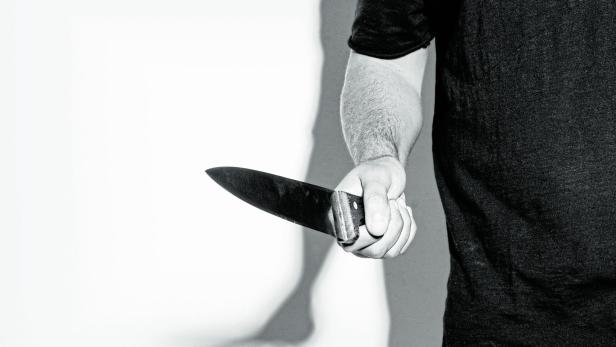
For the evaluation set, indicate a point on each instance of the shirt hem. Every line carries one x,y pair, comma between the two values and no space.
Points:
389,55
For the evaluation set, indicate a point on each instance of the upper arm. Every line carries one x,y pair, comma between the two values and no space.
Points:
392,35
409,67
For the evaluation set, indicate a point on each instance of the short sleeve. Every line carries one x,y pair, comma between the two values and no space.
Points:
390,29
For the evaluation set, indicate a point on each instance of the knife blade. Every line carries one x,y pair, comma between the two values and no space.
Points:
299,202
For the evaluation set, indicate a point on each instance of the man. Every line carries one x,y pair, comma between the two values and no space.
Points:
524,144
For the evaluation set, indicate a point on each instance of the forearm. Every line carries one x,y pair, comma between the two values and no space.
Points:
381,106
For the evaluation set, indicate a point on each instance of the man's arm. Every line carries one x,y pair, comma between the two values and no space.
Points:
381,117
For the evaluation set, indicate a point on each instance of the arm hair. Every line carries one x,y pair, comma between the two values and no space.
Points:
380,105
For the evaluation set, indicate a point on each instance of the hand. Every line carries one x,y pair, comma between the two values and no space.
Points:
390,227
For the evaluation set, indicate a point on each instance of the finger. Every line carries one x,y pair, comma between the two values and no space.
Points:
379,248
404,234
376,207
364,240
412,232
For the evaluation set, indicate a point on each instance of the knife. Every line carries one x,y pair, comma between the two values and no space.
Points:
299,202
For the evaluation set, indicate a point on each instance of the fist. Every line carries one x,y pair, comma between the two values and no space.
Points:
390,227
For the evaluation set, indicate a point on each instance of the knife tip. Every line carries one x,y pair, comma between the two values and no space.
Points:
221,172
210,171
215,172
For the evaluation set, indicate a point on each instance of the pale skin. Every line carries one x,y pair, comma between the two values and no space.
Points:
381,120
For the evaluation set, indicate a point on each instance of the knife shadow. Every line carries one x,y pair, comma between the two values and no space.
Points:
415,282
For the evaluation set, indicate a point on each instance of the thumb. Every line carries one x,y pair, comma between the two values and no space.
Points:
376,207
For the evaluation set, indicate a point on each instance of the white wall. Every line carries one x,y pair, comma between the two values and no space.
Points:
113,235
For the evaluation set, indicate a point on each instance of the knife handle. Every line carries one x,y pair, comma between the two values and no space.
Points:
348,211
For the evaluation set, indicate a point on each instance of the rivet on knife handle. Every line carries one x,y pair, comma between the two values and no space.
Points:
348,211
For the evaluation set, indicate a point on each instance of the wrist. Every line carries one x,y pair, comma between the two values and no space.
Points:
390,164
379,157
388,160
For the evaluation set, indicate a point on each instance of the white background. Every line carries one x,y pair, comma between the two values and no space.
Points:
114,235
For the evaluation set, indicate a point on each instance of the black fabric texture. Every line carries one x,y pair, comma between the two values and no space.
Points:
524,148
389,29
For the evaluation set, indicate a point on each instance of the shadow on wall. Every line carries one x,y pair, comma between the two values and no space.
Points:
416,282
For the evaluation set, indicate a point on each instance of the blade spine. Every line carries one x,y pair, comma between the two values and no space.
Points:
324,189
253,202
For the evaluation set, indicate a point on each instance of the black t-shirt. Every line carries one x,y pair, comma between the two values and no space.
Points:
524,146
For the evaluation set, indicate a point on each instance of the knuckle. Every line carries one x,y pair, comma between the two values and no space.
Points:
396,224
373,253
392,246
359,255
369,253
364,254
380,252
